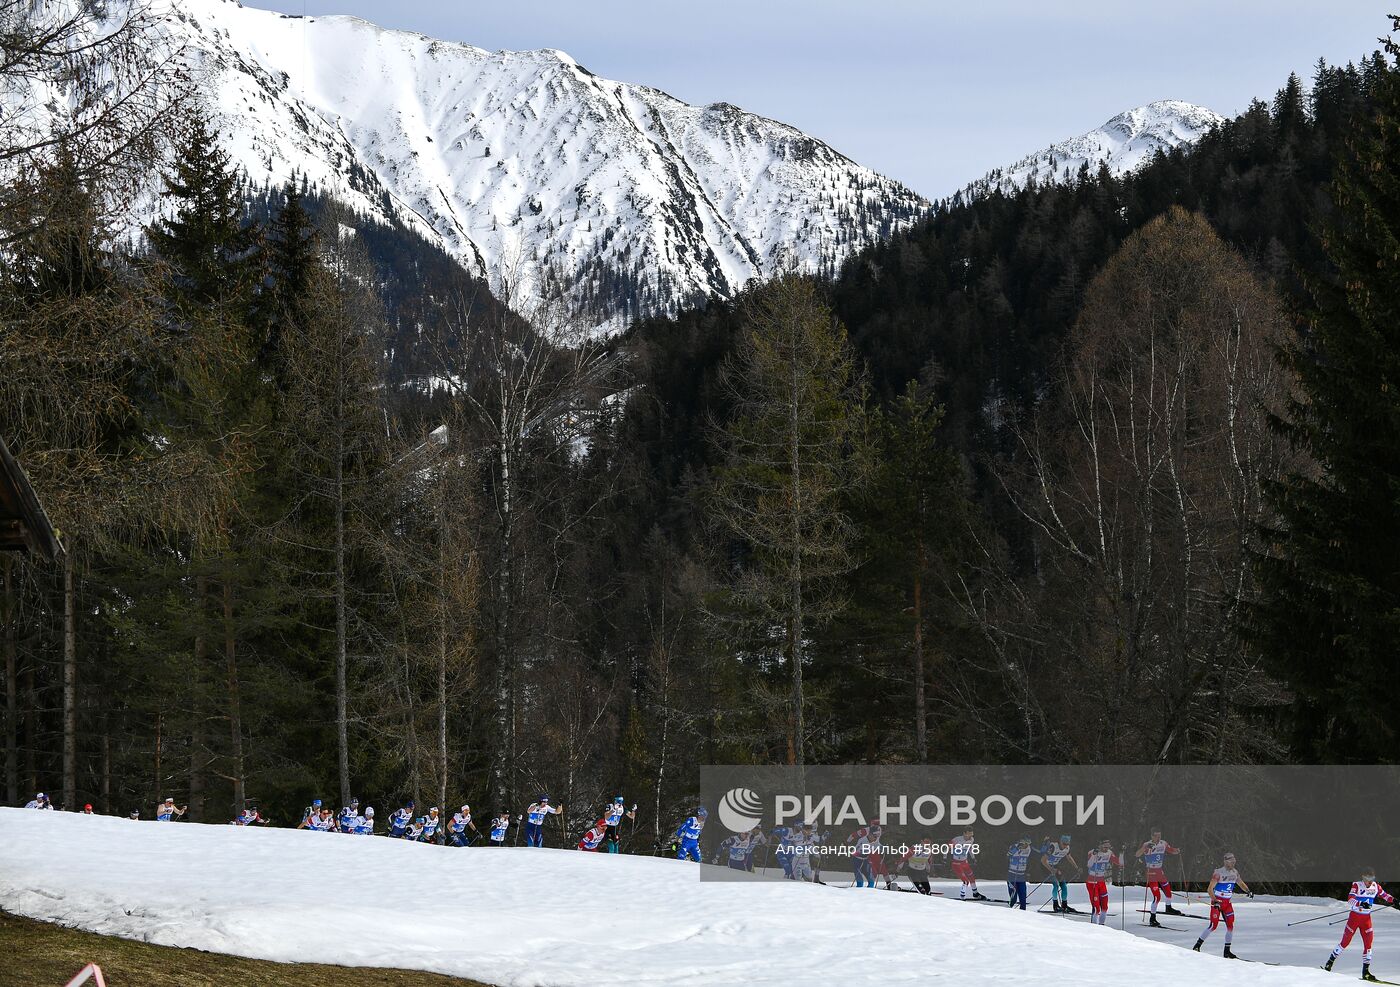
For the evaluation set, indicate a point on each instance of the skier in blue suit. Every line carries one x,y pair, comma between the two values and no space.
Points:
688,835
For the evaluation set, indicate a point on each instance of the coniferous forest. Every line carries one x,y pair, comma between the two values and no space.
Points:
1098,472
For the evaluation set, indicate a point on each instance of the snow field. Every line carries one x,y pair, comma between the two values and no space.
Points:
529,918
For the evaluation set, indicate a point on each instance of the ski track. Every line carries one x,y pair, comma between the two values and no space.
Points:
552,918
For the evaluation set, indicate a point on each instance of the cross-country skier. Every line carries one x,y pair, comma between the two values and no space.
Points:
782,837
878,870
1362,897
688,835
963,852
345,823
735,851
804,843
39,801
430,826
364,826
499,825
756,840
1223,881
1153,855
814,857
1057,860
313,812
250,817
457,826
614,813
324,821
1098,868
594,837
1018,858
400,819
865,845
167,812
918,860
535,815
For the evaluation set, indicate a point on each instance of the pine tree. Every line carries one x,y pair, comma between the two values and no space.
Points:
216,400
915,514
206,242
1329,613
788,469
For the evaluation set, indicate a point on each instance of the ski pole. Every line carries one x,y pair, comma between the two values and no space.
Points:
1122,891
1317,918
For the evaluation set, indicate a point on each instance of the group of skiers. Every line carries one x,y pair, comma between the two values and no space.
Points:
404,824
795,849
798,850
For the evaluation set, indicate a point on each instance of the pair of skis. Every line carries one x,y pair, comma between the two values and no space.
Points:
1171,928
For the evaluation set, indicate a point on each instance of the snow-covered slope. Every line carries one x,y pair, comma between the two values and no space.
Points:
518,160
561,918
1123,144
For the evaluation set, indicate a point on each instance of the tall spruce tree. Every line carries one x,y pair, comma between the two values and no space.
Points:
788,470
1329,613
915,516
215,399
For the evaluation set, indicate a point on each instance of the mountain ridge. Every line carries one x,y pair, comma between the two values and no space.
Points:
529,162
1123,142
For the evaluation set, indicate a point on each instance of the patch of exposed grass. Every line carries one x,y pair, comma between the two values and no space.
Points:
37,954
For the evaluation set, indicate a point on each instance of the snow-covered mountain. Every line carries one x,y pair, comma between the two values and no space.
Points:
521,162
1123,144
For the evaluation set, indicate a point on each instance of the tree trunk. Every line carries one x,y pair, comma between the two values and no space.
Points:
442,644
31,728
342,714
198,760
11,649
105,791
505,652
70,685
235,707
920,701
799,726
159,779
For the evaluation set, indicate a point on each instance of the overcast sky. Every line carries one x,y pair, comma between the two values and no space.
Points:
930,92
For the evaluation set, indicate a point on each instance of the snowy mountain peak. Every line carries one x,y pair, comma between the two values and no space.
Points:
528,163
1123,143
